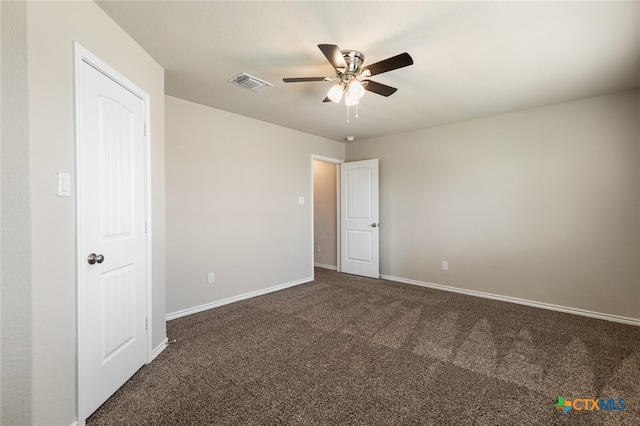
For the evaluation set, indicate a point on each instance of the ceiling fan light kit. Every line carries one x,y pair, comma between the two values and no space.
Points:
335,93
348,67
354,91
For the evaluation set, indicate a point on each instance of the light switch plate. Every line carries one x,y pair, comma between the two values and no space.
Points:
301,200
64,184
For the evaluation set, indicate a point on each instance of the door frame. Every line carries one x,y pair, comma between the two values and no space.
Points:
81,55
337,162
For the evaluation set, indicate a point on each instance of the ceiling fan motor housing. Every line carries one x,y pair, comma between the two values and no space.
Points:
354,60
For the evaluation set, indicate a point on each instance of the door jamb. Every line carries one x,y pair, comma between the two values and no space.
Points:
337,162
81,55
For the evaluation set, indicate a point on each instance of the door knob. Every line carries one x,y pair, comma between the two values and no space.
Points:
95,258
374,225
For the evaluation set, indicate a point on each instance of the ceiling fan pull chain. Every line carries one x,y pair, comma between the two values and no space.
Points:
357,109
348,114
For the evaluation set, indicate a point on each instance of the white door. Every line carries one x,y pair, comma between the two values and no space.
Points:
112,240
359,218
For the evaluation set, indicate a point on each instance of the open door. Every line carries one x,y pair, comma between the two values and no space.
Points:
359,233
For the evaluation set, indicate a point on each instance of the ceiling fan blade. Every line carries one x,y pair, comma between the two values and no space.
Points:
379,88
334,55
303,79
390,64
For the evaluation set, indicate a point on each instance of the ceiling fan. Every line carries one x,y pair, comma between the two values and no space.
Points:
350,71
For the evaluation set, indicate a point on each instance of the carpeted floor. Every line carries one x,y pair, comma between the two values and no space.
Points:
351,350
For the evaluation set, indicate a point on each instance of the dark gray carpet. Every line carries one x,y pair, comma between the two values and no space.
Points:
351,350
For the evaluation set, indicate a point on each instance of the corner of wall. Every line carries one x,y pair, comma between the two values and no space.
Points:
15,213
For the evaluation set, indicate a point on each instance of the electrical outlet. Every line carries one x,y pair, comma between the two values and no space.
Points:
211,278
445,265
317,249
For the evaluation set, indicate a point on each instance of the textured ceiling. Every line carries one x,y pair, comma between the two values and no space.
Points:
471,59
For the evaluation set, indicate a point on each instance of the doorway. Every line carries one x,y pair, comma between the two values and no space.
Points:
326,212
325,218
345,216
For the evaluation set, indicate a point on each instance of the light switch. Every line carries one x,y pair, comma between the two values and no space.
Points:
64,184
301,200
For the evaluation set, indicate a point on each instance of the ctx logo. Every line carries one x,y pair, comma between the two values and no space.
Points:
589,404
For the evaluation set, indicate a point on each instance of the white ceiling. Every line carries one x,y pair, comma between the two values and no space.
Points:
471,59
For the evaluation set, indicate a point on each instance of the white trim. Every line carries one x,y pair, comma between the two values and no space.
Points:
149,227
218,303
338,220
74,423
322,265
77,60
326,159
509,299
83,55
158,349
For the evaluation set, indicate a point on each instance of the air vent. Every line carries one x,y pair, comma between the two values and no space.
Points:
250,82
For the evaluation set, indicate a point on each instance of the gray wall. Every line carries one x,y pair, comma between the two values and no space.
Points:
15,332
324,213
38,228
542,205
232,203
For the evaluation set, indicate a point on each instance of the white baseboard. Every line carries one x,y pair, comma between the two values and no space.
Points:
218,303
542,305
158,349
322,265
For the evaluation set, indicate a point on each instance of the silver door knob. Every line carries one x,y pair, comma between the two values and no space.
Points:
95,258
